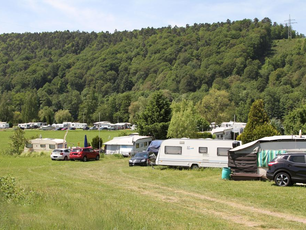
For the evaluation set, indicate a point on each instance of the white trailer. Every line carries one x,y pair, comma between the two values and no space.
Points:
127,145
4,125
78,125
195,153
24,125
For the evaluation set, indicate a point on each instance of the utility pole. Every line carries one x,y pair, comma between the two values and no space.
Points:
289,22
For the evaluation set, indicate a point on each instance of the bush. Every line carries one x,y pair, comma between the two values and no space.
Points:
204,135
97,142
8,189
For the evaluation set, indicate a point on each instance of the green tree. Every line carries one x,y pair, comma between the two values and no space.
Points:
88,107
18,141
295,121
97,142
136,108
30,107
46,115
216,106
184,120
6,108
62,116
258,124
155,118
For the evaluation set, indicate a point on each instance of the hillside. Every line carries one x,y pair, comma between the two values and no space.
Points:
100,75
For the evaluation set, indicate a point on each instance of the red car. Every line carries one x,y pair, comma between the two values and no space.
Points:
84,154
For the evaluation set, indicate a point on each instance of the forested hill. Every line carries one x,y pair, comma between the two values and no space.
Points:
226,65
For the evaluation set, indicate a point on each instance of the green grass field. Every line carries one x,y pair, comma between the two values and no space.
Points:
74,137
108,194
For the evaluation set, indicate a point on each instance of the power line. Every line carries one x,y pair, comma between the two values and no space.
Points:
289,22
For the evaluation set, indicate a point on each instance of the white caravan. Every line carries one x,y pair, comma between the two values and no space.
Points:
127,145
4,125
195,153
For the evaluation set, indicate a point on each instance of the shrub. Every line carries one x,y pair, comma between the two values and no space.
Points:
204,135
97,142
8,189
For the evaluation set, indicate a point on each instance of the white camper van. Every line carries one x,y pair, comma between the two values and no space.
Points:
195,153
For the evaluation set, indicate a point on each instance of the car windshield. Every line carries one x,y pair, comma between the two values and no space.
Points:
76,150
141,155
56,150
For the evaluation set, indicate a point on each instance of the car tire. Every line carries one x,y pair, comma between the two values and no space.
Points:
282,179
85,158
97,157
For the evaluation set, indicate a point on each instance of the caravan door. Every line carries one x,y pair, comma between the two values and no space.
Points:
214,155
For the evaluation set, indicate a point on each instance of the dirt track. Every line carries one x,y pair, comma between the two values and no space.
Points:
232,211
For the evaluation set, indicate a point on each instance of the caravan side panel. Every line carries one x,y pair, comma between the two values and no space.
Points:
194,152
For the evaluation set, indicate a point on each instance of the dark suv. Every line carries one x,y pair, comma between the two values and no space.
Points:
287,169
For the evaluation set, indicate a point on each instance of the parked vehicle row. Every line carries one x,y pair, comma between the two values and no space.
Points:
80,153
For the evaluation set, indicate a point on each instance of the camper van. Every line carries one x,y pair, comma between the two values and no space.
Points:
195,153
24,125
127,145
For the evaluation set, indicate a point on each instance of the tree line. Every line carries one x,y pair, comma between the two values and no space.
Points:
214,71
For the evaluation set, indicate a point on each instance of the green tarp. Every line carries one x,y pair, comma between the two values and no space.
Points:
265,156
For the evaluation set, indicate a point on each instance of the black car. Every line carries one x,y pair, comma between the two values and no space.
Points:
141,158
287,169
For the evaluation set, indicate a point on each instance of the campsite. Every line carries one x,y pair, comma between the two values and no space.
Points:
109,194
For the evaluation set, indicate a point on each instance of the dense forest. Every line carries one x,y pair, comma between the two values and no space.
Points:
222,68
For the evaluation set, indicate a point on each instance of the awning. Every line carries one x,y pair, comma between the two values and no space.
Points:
265,156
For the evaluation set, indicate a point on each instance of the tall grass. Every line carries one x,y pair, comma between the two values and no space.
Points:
108,194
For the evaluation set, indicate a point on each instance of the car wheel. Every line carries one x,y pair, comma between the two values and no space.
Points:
84,158
97,157
282,179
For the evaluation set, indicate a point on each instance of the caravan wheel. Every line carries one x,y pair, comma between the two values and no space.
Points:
194,166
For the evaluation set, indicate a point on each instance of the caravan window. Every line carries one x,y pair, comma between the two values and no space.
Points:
222,151
203,150
43,146
51,146
137,145
177,150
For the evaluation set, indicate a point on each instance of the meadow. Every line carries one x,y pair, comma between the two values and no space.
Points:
74,137
108,194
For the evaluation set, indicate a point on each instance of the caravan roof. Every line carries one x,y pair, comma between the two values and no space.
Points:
125,140
270,139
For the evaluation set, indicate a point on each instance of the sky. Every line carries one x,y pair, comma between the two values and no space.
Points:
20,16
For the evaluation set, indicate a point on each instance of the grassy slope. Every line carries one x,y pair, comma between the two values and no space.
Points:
107,194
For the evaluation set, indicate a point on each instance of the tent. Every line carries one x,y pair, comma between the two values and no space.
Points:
154,146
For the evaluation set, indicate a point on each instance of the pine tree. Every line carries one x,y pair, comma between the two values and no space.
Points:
154,120
258,124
